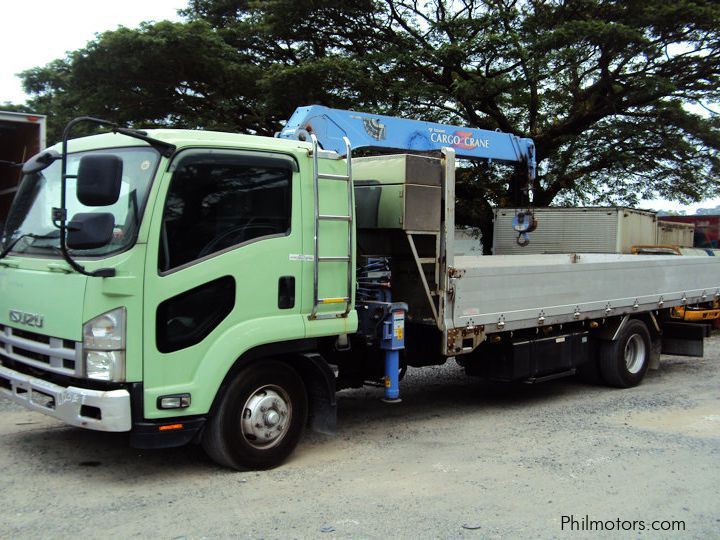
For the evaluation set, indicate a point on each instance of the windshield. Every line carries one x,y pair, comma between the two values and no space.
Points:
30,225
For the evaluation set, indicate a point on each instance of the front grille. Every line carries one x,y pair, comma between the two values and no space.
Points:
32,336
48,353
30,354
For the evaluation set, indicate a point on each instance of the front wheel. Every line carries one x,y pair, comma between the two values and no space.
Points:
624,362
260,418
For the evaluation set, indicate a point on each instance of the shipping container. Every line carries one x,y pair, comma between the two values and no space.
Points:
576,230
671,233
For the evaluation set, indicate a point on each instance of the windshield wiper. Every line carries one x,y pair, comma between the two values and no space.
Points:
8,249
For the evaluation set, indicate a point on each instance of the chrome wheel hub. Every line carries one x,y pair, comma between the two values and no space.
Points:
635,353
266,417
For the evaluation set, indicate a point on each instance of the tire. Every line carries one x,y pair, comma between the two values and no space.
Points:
260,419
624,362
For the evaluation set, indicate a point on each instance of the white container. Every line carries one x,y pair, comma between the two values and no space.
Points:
673,233
576,230
22,135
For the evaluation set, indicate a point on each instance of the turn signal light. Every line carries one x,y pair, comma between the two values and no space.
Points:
170,427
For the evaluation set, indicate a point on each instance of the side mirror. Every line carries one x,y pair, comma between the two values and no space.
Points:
99,179
90,230
40,161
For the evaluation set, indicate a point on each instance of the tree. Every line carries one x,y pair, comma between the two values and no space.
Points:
166,74
603,87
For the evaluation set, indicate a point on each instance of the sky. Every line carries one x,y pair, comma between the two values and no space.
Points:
35,32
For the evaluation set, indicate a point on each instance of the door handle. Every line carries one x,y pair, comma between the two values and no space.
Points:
286,292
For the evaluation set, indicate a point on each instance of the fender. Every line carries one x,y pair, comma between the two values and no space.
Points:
321,387
281,350
613,327
316,373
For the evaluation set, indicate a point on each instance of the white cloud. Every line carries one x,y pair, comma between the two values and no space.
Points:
661,204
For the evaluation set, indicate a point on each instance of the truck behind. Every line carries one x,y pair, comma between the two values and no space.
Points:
22,135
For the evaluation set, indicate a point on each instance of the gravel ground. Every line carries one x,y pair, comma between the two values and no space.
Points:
456,459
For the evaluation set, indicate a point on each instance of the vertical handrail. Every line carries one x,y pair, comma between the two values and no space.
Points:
351,225
316,230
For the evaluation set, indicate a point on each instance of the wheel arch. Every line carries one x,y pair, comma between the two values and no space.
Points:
611,330
623,361
302,356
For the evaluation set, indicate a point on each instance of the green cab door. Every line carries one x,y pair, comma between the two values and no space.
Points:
221,273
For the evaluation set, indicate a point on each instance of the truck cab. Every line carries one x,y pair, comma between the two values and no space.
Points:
211,252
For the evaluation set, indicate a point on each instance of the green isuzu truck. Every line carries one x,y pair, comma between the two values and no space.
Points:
215,288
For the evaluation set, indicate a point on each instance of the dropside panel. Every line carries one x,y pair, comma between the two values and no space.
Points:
525,291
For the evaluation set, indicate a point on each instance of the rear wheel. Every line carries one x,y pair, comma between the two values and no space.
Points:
260,418
624,362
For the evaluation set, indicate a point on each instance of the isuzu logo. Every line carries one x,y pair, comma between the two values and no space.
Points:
28,319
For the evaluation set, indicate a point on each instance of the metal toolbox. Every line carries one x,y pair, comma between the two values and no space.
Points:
398,192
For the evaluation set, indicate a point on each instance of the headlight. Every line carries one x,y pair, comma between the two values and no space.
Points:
104,346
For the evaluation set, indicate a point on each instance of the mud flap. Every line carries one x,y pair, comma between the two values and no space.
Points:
684,339
320,383
655,352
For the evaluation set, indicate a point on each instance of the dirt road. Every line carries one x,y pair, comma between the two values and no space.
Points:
456,459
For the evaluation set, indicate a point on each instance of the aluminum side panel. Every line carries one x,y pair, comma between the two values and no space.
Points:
519,290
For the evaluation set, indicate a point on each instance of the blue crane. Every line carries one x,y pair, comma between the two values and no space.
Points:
365,130
377,131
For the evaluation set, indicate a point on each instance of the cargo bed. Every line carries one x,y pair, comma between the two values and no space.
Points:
469,297
508,292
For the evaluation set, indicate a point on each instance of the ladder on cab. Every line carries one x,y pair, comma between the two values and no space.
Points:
348,218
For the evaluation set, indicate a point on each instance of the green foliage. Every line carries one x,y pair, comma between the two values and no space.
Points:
166,74
11,107
602,86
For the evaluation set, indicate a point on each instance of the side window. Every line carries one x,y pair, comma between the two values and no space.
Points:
188,318
219,200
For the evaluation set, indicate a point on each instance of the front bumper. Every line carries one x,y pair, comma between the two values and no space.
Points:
91,409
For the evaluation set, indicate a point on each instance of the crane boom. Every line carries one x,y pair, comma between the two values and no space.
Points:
377,131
